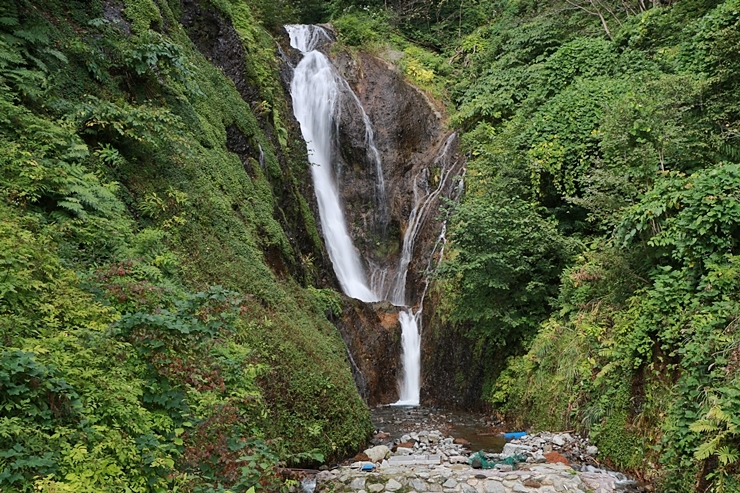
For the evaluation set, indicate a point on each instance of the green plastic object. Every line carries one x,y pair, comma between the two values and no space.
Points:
490,464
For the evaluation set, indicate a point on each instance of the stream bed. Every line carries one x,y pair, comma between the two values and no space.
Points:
477,429
477,432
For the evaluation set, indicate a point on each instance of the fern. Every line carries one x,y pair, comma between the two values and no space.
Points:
727,456
703,426
729,152
707,449
720,427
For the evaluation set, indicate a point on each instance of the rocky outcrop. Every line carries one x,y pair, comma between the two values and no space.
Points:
372,335
395,162
413,146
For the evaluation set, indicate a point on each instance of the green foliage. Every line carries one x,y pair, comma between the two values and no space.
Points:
616,136
120,209
327,301
144,15
506,262
362,28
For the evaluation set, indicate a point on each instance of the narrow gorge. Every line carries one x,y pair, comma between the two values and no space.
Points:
382,165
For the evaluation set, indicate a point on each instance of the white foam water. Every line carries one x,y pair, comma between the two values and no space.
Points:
314,91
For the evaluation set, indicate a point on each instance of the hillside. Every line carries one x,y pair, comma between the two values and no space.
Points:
592,279
163,294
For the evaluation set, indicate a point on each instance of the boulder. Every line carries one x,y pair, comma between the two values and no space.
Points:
378,453
554,457
494,487
514,448
393,485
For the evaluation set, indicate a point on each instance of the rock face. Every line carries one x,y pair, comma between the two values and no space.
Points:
419,157
371,333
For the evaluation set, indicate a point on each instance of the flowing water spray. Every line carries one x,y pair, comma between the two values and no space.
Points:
315,90
410,385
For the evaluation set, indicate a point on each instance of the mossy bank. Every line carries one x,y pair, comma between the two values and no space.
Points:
164,288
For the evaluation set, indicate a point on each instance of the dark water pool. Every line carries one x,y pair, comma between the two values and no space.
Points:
476,428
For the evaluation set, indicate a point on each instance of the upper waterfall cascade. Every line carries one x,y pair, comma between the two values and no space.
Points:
316,90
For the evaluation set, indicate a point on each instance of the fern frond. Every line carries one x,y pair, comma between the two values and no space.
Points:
72,205
56,54
707,448
716,413
36,34
703,426
727,456
8,21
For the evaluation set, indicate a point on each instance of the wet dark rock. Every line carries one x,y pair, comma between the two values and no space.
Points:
409,135
372,335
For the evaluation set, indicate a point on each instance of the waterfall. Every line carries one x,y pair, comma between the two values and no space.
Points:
410,384
314,90
410,321
381,204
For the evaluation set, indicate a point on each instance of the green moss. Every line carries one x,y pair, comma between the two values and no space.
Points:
144,15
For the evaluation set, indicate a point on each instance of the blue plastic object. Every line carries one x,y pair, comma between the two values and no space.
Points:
367,467
515,434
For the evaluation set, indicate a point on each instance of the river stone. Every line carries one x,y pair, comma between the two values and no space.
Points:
358,484
466,488
378,453
393,485
494,487
450,483
512,449
558,440
418,485
592,450
375,488
518,488
325,476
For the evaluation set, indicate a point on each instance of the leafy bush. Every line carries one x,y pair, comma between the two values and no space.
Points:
362,28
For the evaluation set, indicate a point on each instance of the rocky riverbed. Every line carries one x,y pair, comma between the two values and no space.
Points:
411,458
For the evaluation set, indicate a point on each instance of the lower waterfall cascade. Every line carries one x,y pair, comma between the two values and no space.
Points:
316,89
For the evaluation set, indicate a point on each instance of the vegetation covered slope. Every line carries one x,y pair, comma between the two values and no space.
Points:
159,323
600,233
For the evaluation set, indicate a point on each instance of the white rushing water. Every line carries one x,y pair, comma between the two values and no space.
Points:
314,90
410,385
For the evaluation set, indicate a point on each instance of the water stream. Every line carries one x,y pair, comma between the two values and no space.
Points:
315,90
